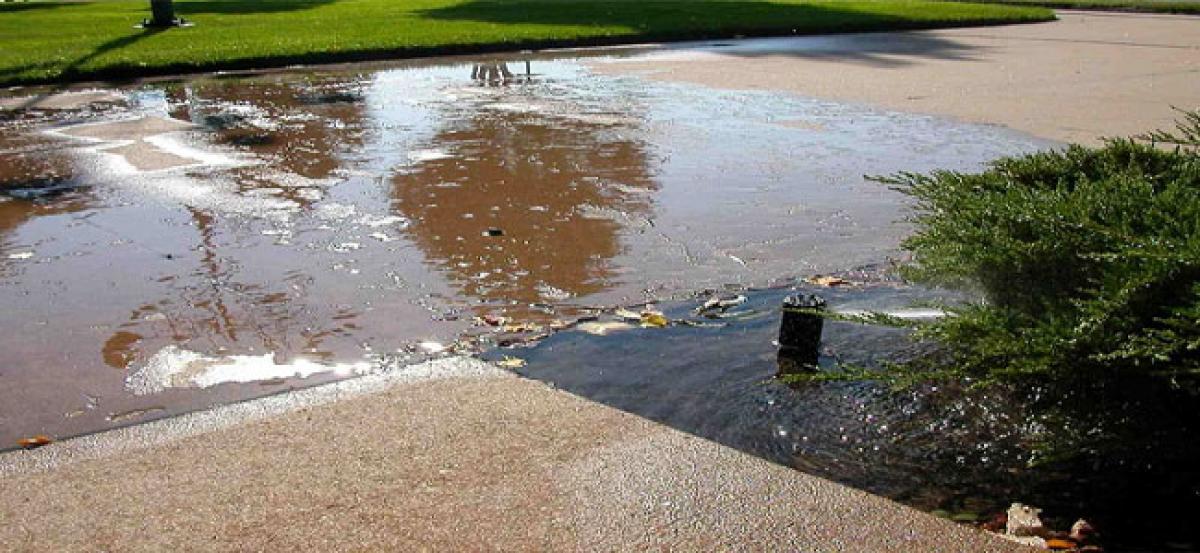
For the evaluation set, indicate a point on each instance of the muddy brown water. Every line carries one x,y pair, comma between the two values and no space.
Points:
169,245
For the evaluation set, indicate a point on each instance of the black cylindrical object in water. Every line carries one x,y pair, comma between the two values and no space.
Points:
800,329
162,13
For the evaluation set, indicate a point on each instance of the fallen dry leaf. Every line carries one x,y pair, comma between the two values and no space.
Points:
34,442
654,319
1054,543
828,281
510,362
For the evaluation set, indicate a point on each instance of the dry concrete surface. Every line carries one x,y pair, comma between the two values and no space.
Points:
1083,77
463,457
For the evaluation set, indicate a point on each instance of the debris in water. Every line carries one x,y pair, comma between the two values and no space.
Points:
431,347
34,442
826,280
1056,543
1082,531
700,324
387,220
654,319
627,315
522,340
721,302
600,328
1023,520
510,362
741,315
1024,526
551,293
522,327
133,414
491,320
345,247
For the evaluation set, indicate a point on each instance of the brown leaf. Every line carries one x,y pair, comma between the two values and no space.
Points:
34,442
1055,543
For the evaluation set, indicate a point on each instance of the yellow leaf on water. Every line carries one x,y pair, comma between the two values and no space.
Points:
654,319
511,362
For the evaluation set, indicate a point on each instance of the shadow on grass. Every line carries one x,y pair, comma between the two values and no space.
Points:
30,6
17,70
674,20
236,7
225,7
72,70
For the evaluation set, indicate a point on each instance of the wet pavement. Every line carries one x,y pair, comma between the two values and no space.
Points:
170,245
944,448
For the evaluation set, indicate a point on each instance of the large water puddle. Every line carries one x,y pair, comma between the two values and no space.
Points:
169,245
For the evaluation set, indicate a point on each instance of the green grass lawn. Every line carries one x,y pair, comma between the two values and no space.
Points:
1151,6
64,41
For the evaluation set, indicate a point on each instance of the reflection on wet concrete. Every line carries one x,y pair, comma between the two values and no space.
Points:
294,221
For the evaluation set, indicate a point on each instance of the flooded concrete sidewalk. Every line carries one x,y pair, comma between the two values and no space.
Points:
170,245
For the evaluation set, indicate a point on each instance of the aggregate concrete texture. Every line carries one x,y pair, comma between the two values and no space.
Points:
463,457
1086,76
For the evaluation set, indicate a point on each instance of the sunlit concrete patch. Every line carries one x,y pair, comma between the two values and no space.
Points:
145,143
478,460
174,367
1049,79
128,439
682,491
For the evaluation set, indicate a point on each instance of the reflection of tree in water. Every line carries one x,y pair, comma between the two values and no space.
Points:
210,311
301,126
548,177
497,74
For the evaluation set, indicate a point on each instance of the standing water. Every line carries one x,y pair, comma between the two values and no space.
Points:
169,245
